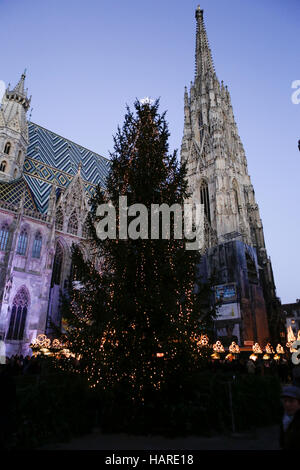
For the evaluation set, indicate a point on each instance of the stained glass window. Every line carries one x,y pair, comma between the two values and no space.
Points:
18,315
73,224
37,246
22,243
57,265
4,234
59,221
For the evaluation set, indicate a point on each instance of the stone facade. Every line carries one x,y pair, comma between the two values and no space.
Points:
218,178
45,185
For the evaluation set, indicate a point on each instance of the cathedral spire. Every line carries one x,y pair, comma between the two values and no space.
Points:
203,57
19,88
13,130
15,101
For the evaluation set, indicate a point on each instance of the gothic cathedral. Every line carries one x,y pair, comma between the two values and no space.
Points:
235,254
45,185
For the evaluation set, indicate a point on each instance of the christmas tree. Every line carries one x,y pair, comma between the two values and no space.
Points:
136,316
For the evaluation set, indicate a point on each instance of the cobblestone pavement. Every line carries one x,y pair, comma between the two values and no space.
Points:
261,439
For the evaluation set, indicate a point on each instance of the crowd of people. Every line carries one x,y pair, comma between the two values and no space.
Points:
239,364
20,365
287,373
242,364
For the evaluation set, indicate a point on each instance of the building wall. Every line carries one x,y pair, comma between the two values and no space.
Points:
218,177
32,274
234,263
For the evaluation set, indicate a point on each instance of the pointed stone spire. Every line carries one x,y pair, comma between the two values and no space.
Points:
19,88
52,201
15,101
186,97
203,57
14,129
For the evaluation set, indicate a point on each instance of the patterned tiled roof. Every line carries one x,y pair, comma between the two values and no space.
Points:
52,159
13,191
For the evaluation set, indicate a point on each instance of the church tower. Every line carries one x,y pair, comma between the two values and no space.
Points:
235,253
13,131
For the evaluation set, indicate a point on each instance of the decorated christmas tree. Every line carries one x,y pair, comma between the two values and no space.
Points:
137,312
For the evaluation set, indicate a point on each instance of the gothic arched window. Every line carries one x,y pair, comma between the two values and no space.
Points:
236,198
204,199
57,265
59,221
18,315
73,224
201,126
7,148
3,166
37,245
19,156
22,242
85,229
4,234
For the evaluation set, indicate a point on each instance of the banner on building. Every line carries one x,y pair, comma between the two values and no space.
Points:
228,311
226,292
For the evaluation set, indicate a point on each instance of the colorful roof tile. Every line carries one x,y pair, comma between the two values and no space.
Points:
13,191
52,159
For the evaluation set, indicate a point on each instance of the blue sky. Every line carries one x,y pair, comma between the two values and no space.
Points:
87,59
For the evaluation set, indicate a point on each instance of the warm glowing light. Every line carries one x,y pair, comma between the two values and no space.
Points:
160,354
229,357
279,349
253,357
234,348
215,355
56,344
203,340
218,347
291,339
256,348
266,357
269,349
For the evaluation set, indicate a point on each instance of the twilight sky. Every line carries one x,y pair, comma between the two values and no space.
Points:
87,59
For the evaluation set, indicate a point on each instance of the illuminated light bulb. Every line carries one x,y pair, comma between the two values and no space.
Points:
269,349
253,357
234,348
218,347
229,357
279,349
291,337
215,355
256,348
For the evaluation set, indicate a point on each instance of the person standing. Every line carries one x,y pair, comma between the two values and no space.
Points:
290,425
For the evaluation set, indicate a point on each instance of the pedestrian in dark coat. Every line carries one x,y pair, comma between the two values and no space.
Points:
290,425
